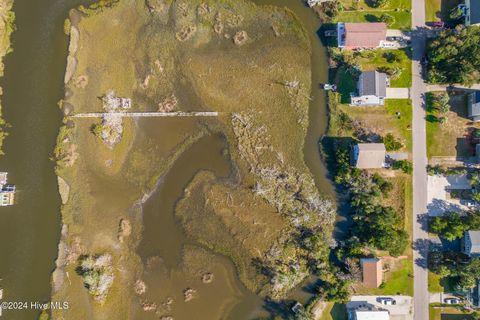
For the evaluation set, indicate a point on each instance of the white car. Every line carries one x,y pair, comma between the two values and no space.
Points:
451,301
387,301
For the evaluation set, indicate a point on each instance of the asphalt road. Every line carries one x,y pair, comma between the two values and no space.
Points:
420,236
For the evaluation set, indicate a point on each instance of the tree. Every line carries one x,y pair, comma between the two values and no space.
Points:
456,13
387,18
391,144
441,102
378,3
454,56
451,226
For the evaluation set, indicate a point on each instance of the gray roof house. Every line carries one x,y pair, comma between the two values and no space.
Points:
474,106
471,243
472,12
369,155
372,89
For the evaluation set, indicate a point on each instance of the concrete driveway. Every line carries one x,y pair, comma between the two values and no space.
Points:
402,310
437,200
398,93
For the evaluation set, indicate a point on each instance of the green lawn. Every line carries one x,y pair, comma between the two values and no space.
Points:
360,11
334,311
346,84
447,313
448,139
371,60
434,285
403,122
437,10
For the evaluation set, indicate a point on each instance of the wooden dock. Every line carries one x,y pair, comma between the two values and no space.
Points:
145,114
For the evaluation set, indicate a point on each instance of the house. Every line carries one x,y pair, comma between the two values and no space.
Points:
362,310
372,272
472,12
369,315
361,35
369,155
474,106
471,243
372,89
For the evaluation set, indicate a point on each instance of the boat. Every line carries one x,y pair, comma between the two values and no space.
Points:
329,87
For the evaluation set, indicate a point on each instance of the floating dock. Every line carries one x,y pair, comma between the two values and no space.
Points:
7,191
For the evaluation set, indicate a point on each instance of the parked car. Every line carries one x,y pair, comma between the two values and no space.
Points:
451,300
387,301
438,24
424,60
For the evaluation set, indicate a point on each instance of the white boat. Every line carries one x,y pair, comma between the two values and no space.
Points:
327,86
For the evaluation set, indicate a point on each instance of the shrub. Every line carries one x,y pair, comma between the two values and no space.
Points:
387,18
391,144
392,56
378,3
404,165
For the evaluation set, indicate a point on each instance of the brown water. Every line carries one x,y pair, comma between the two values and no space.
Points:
33,84
29,231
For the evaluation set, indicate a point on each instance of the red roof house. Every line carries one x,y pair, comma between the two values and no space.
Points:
361,35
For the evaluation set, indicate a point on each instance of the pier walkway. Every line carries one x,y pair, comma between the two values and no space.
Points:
145,114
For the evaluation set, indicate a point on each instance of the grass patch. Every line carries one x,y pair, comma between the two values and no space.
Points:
383,120
334,311
360,11
346,85
378,60
439,10
439,312
433,10
449,139
434,283
403,122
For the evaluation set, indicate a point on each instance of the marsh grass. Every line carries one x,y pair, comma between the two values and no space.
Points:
134,50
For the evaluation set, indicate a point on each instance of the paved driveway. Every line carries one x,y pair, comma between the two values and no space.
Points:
398,93
403,310
438,202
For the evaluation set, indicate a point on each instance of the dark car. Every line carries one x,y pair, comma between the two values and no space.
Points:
424,60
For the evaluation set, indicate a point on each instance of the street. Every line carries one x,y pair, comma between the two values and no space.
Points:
420,161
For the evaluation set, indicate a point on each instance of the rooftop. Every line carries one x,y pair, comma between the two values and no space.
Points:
365,35
372,315
369,155
373,83
474,11
372,270
474,236
474,105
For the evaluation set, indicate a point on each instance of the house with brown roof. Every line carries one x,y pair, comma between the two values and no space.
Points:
372,271
361,35
369,155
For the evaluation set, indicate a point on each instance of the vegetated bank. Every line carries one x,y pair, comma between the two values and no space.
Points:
379,201
7,26
251,64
